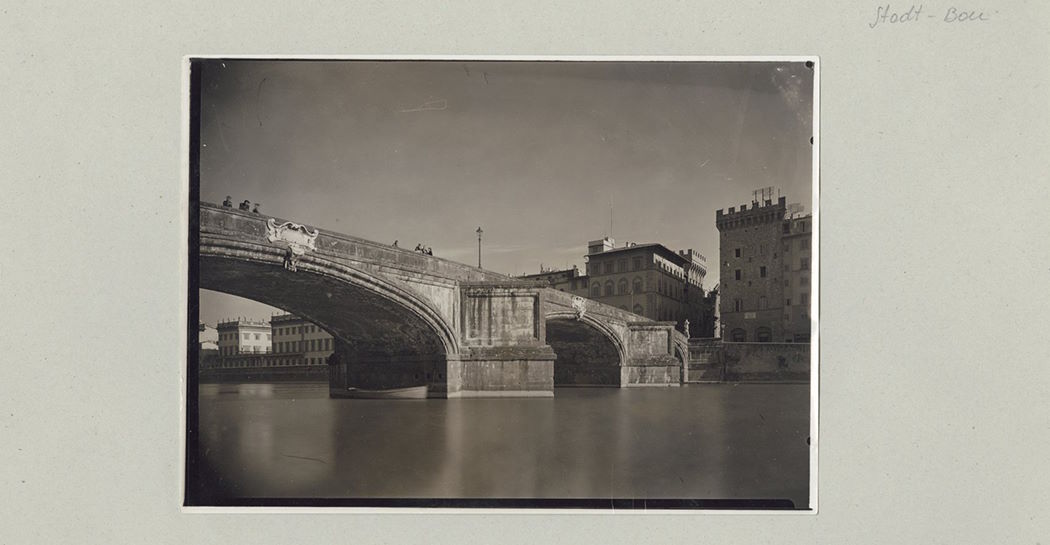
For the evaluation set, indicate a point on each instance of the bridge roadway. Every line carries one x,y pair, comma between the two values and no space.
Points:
400,318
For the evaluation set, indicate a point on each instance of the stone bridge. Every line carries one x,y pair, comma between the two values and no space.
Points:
400,318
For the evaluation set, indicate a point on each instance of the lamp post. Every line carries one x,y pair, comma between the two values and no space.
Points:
479,231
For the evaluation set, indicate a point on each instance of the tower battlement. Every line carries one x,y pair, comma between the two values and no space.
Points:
758,213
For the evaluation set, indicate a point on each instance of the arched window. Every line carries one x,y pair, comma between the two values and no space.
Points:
596,290
763,335
763,304
621,287
639,310
609,288
738,335
637,285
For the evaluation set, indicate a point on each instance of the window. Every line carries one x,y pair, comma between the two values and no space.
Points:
787,247
738,252
596,290
636,263
638,309
763,335
608,267
805,299
738,305
738,274
762,271
803,244
803,282
787,302
621,265
256,336
621,287
609,287
637,285
787,228
246,336
738,335
763,304
805,264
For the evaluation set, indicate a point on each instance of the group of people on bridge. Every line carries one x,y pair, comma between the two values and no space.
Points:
425,250
245,205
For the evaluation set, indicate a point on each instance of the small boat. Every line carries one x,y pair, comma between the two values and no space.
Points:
411,392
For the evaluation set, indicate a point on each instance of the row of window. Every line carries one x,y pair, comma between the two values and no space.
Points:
803,282
801,227
246,336
275,362
296,330
663,287
764,335
312,345
621,265
763,302
803,244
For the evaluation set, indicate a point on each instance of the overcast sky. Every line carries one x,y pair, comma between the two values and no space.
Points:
532,152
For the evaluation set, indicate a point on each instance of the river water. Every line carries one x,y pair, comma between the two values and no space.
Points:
717,441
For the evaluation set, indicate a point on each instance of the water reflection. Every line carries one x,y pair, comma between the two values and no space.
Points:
702,441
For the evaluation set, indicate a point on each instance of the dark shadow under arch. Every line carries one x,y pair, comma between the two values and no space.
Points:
586,355
380,341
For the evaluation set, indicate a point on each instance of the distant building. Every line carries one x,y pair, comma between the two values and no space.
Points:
284,341
646,279
243,337
796,240
297,341
765,282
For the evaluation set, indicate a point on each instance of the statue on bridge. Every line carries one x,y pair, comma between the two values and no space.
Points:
298,238
579,304
685,328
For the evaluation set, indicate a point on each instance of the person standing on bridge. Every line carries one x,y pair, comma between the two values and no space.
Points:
256,209
228,203
245,205
395,243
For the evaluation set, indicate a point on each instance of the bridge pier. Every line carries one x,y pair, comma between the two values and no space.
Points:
650,356
504,352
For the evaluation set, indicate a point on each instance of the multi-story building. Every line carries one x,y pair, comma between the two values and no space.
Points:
647,279
243,337
795,243
299,342
764,269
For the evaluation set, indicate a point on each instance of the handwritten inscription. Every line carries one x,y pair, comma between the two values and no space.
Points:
887,15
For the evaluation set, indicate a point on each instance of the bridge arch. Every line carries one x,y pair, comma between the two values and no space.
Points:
589,351
369,316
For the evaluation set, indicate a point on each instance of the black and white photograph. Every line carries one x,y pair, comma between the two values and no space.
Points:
525,283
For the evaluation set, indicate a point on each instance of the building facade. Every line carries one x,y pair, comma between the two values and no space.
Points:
243,337
796,240
285,341
764,267
646,279
299,342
